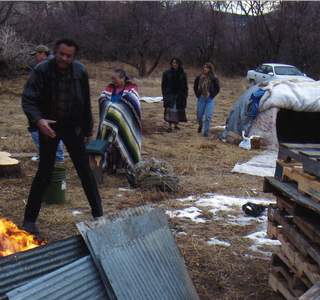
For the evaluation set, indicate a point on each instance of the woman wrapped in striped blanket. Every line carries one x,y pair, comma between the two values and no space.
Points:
120,122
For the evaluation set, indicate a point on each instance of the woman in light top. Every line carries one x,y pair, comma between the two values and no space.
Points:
206,87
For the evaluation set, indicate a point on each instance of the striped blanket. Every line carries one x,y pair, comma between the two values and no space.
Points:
120,122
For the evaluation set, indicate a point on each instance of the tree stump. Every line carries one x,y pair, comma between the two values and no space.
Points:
9,167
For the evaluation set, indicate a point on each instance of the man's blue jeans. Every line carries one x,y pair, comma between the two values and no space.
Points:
205,107
59,154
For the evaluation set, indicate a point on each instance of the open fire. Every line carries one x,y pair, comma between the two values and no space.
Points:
13,240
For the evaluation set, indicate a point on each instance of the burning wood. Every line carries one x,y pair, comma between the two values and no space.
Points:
13,240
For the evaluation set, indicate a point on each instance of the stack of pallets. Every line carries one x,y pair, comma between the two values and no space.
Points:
295,221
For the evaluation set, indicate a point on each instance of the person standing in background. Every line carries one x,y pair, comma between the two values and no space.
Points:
40,54
174,88
206,87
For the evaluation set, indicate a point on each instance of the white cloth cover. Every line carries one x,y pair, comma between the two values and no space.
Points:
295,95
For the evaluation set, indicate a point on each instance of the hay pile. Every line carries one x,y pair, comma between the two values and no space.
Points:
153,174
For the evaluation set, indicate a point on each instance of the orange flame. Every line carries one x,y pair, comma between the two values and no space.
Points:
13,240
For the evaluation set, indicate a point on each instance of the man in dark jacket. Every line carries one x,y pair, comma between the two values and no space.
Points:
56,98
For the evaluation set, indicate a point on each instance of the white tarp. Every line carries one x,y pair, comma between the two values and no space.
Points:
263,164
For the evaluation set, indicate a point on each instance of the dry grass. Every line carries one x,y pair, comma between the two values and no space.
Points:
203,165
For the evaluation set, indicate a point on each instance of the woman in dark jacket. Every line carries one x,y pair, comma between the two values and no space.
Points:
206,87
174,87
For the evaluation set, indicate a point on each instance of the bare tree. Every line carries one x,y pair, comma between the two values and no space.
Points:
5,11
146,30
14,51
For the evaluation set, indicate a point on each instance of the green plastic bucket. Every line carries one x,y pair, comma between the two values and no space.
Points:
56,191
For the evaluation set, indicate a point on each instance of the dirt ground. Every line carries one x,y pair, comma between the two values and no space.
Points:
203,165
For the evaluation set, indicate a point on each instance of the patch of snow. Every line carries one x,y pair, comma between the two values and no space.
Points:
76,212
260,238
191,212
235,216
182,233
214,241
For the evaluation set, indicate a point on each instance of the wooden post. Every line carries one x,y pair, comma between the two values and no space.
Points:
96,161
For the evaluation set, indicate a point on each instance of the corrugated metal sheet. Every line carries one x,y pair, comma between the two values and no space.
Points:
148,268
79,280
85,227
23,267
136,232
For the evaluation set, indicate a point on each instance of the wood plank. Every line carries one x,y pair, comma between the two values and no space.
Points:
280,164
299,170
302,153
273,230
31,154
305,268
298,273
305,246
307,184
311,230
302,146
312,294
279,284
295,284
95,162
289,190
285,205
310,152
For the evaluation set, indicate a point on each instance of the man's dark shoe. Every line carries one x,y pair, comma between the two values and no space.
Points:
30,227
200,129
205,135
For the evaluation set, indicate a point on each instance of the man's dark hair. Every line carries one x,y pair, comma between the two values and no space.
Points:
47,53
67,41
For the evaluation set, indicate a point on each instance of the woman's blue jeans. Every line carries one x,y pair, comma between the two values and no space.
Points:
205,107
59,154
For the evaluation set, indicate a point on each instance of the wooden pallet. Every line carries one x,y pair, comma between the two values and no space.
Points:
281,164
312,294
285,204
306,269
307,154
279,284
297,285
309,226
307,184
305,246
303,204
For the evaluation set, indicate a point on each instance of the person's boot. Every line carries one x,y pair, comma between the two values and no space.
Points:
30,227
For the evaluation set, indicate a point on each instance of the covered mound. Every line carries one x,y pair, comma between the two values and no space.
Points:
278,111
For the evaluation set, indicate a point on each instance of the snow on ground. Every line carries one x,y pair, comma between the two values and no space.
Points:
236,217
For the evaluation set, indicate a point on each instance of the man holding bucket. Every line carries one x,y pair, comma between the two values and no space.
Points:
56,98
